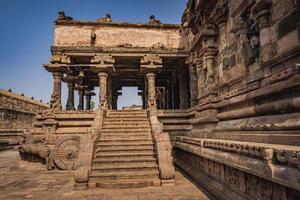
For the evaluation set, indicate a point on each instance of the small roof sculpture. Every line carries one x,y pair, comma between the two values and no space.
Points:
62,16
152,20
105,19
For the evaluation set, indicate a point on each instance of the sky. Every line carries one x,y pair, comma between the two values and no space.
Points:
26,35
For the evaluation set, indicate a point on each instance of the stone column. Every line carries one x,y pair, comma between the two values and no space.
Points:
151,90
193,84
103,89
56,95
183,89
209,66
70,100
200,79
81,99
109,93
88,99
262,11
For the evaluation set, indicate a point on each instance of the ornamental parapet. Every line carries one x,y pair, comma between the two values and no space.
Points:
270,153
277,163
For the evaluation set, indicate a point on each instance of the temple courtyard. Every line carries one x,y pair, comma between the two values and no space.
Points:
18,182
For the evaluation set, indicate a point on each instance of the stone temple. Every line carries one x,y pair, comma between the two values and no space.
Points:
220,92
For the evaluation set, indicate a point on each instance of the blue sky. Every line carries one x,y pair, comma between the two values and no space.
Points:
27,33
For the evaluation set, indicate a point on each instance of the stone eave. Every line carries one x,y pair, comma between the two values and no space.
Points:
125,51
116,24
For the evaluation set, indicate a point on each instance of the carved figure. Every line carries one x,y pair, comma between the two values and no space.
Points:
62,16
105,19
154,21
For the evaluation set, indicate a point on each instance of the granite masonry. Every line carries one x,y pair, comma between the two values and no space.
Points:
220,94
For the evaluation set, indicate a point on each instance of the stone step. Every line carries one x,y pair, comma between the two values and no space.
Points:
125,175
124,160
125,184
123,140
119,144
119,136
128,148
125,135
123,154
122,126
127,115
104,130
127,111
120,123
124,167
126,120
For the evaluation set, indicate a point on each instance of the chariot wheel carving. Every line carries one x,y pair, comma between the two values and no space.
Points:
66,153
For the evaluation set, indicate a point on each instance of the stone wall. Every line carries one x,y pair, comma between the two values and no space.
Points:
78,33
17,114
245,55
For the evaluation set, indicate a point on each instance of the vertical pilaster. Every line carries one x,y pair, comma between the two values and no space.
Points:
262,13
193,84
183,89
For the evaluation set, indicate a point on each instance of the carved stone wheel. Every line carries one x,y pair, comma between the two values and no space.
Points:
66,153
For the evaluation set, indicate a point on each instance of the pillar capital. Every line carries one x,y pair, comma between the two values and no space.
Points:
261,10
150,75
57,74
103,74
103,63
221,14
151,63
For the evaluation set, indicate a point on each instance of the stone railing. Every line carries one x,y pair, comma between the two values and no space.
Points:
81,176
278,163
163,151
271,154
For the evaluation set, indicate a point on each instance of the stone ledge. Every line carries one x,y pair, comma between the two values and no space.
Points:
258,163
116,24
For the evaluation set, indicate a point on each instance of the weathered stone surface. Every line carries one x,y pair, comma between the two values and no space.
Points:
18,183
241,127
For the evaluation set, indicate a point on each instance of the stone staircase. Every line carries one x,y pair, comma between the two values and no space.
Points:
124,154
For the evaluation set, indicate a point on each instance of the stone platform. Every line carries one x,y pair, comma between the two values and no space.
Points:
18,183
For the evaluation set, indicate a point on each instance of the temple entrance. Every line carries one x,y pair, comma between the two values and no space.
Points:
162,82
129,99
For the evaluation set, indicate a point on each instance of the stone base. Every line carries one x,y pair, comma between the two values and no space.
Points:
167,183
81,186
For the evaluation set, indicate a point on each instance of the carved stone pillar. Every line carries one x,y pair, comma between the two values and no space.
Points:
151,90
262,12
104,64
81,99
103,89
56,95
193,84
151,64
209,66
200,78
70,100
183,89
109,93
88,98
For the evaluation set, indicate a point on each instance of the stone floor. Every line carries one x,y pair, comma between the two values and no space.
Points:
20,183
